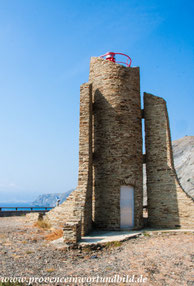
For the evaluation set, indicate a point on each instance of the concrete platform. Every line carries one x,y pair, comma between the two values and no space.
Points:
102,237
99,238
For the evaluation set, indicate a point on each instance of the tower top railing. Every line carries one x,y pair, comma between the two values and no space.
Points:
110,56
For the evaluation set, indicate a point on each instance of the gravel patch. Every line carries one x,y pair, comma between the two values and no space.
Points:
162,258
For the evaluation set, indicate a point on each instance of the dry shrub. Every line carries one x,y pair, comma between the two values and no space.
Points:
42,224
111,244
57,233
50,270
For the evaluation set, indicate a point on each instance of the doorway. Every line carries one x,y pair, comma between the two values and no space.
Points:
126,207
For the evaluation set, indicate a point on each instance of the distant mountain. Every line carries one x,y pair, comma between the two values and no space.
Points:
49,200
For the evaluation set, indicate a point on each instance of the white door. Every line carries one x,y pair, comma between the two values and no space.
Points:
127,207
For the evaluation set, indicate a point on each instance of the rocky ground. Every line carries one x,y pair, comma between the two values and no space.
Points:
161,258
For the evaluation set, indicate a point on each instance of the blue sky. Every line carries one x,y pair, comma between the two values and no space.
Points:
45,49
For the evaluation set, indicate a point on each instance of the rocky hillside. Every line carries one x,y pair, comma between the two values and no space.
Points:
183,152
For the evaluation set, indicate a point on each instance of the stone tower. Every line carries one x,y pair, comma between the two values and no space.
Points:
117,141
109,194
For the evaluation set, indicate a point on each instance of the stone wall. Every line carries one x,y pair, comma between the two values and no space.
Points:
85,158
78,206
72,232
117,140
168,205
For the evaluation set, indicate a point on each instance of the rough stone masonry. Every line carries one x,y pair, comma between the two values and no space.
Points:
110,156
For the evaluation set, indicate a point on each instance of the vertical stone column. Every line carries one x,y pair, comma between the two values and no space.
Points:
117,142
78,220
85,157
168,205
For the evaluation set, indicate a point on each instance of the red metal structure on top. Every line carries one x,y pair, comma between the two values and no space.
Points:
110,56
